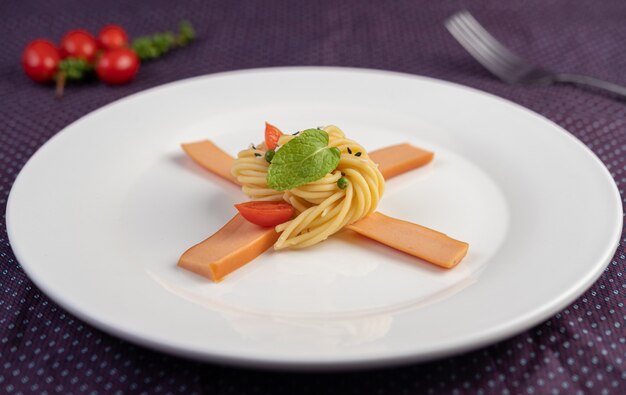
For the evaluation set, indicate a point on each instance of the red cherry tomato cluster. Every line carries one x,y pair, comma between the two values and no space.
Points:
110,55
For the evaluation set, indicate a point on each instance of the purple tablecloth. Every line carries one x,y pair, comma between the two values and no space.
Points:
580,350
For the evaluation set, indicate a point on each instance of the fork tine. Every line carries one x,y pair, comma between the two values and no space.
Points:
476,49
487,38
502,55
501,63
511,60
485,48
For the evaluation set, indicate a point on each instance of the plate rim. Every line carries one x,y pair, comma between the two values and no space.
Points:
462,345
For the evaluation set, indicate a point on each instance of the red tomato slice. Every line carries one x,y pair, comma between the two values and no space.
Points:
266,214
272,134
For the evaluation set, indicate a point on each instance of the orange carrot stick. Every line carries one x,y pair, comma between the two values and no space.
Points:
427,244
397,159
234,245
212,158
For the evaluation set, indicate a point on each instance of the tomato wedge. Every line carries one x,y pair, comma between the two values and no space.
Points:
266,214
272,134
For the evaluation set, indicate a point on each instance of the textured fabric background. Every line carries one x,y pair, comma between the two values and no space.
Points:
581,350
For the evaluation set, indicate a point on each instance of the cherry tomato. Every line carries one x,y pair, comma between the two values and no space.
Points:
117,66
79,44
40,60
272,134
112,36
266,214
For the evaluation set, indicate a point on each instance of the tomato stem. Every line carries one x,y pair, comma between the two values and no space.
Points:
60,85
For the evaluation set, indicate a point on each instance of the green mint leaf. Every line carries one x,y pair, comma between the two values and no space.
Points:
304,159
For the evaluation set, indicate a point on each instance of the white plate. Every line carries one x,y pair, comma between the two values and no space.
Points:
100,214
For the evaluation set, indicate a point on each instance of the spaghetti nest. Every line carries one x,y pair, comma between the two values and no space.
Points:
323,208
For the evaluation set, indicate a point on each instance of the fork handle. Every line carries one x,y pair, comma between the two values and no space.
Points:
590,81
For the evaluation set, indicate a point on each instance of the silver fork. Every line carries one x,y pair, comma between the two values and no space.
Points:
508,66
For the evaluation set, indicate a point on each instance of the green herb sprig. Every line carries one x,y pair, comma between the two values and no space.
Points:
158,44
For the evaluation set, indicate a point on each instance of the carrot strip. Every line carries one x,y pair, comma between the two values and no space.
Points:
212,158
234,245
397,159
427,244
